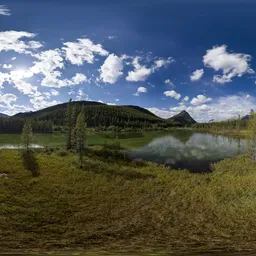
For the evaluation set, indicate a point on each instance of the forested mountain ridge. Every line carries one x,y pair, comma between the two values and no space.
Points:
141,110
183,118
246,117
3,115
97,115
58,107
63,106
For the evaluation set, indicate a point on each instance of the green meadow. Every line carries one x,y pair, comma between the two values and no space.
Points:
114,203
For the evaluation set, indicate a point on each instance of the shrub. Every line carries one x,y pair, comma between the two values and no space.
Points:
139,163
62,153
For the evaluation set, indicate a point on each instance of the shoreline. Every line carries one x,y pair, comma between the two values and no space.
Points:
243,134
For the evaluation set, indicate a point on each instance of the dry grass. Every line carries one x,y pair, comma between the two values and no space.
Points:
117,205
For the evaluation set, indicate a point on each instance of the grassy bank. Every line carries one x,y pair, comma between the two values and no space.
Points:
227,132
112,204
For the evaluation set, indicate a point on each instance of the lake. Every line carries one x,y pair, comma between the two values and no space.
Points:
180,149
190,150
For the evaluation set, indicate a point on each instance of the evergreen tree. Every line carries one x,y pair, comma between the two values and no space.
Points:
252,133
74,115
80,133
238,121
27,135
75,112
69,124
251,114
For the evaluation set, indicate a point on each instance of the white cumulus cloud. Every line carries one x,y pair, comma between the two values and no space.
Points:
78,79
47,62
6,66
3,78
163,62
141,72
4,10
81,95
111,69
54,92
162,112
54,81
40,102
199,100
231,64
18,79
197,75
7,98
12,109
172,94
12,41
140,90
84,50
222,108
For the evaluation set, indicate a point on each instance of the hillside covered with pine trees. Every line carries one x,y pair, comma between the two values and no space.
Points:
96,115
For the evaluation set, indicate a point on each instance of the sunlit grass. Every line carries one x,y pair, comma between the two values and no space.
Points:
112,204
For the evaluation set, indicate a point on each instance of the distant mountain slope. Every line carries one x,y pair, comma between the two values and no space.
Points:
3,115
98,114
58,107
141,109
183,118
247,117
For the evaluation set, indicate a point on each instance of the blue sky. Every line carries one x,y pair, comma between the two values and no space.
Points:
164,55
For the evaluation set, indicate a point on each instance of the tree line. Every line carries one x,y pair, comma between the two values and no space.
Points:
238,124
14,125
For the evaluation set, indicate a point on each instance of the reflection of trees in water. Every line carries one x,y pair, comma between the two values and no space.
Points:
198,146
182,135
238,146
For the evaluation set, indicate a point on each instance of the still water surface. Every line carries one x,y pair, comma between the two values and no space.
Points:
188,150
180,149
